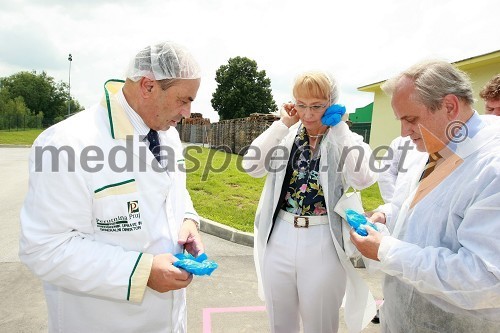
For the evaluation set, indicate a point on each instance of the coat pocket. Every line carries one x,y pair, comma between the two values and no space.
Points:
117,208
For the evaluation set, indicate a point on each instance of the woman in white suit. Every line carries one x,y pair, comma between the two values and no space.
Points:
309,156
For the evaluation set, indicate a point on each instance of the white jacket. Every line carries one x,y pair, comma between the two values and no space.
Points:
91,235
277,139
399,185
442,262
394,163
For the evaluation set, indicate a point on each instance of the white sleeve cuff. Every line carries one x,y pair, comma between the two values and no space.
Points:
280,128
383,208
139,278
192,216
385,246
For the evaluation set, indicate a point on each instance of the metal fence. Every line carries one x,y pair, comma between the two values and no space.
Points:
362,129
20,121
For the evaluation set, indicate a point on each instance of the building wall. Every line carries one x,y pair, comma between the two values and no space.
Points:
385,127
362,115
479,77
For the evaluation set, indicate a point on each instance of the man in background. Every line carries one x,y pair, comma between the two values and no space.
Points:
491,96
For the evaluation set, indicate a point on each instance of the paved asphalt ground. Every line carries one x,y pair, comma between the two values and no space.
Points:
224,302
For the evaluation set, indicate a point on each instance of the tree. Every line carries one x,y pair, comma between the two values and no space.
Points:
40,93
242,90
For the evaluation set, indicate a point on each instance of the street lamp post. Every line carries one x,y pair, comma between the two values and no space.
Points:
70,58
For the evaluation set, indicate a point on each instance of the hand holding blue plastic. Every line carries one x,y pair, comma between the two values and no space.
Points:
197,266
358,221
333,115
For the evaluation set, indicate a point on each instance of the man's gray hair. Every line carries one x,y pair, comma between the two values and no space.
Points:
433,81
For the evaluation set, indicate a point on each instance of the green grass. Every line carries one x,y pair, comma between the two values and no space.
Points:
371,197
231,197
25,137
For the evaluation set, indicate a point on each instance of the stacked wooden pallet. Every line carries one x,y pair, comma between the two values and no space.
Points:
263,117
235,135
196,119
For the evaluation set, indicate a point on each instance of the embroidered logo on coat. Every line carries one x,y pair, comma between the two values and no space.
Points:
133,207
129,222
133,210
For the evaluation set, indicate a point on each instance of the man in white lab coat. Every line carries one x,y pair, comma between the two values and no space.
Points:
442,261
107,206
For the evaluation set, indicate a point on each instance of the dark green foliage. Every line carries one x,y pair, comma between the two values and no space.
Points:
15,114
242,90
35,95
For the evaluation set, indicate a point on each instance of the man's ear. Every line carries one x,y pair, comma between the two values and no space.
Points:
451,106
146,86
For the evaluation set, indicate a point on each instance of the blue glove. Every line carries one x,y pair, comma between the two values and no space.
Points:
358,222
333,115
197,266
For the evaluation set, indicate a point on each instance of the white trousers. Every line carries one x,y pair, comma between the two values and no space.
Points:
302,279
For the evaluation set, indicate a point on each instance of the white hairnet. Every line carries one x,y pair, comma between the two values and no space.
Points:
165,60
334,89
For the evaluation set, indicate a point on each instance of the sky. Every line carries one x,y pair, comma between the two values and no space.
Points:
359,42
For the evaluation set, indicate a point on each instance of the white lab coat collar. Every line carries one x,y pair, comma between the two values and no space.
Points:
139,125
119,123
125,123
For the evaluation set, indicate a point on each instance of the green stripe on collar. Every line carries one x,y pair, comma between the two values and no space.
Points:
120,125
108,104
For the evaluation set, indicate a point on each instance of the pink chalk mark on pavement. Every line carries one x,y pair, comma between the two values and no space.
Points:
207,319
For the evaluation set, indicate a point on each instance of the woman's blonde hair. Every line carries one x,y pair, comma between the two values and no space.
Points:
316,85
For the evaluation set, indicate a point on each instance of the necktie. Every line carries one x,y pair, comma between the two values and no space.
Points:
154,144
430,165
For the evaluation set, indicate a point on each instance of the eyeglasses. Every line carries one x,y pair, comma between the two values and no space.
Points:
303,107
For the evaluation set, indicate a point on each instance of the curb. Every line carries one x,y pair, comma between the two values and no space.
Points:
223,231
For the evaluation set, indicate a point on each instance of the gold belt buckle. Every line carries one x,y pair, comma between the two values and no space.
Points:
297,224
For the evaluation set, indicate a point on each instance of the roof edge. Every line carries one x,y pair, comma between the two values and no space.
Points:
483,59
476,61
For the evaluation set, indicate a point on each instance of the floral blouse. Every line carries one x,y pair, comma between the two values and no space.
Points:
304,195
